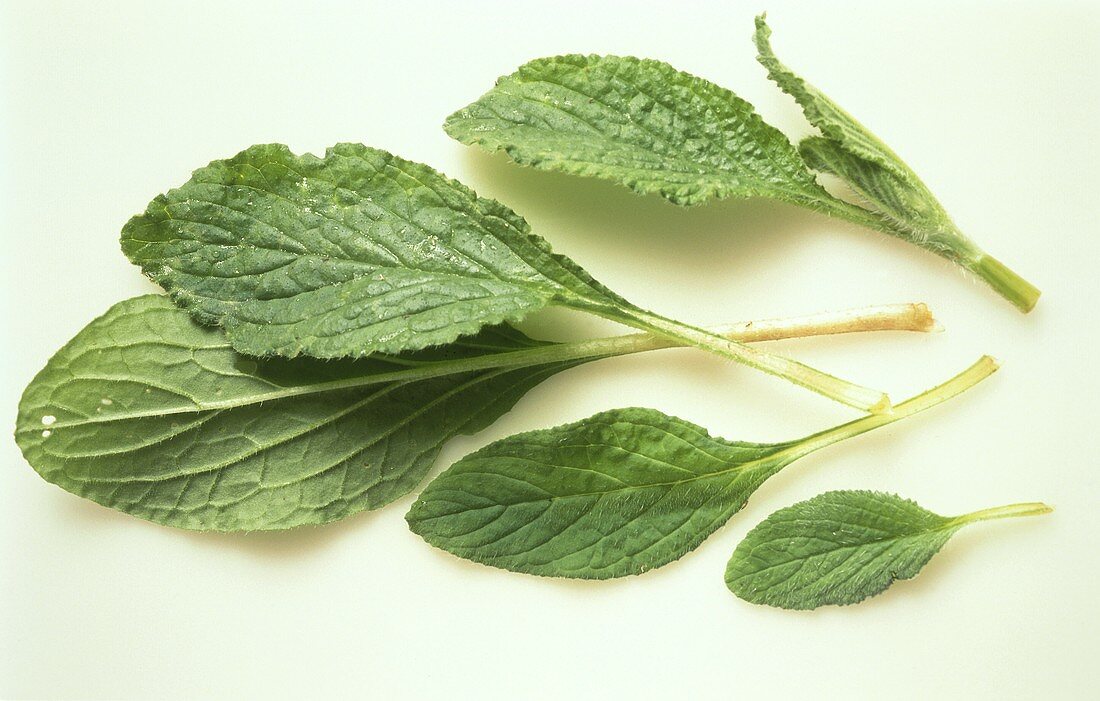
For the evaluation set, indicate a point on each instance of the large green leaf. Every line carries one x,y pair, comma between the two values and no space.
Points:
617,494
351,254
646,125
643,124
362,252
843,547
150,413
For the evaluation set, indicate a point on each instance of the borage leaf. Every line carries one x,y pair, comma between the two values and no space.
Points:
654,129
843,547
362,252
850,151
643,124
617,494
356,253
148,412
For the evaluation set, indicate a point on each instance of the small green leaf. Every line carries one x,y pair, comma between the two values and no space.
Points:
843,547
616,494
893,195
850,151
147,412
362,252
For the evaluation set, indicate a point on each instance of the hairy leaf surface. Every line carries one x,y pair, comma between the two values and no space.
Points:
362,252
646,125
842,547
619,493
616,494
641,123
150,413
351,254
850,151
834,122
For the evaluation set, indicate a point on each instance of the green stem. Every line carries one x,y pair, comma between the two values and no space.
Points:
983,368
1033,508
857,215
1006,283
815,380
951,245
892,317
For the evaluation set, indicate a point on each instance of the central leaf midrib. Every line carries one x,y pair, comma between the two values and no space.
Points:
844,548
725,472
424,371
542,285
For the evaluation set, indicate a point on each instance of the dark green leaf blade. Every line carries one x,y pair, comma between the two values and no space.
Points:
618,493
640,123
842,547
362,252
351,254
837,548
150,413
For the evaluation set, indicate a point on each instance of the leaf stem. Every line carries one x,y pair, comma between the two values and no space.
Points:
1033,508
884,317
983,368
832,387
1005,282
951,245
889,317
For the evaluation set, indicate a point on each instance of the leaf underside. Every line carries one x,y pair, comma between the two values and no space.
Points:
640,123
838,548
355,253
150,413
617,494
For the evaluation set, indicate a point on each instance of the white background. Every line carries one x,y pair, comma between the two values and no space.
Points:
104,105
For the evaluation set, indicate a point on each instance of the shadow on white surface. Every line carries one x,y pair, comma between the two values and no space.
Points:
716,239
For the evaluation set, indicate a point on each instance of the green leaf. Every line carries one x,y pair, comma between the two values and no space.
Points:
147,412
843,547
646,125
617,494
356,253
903,204
643,124
362,252
850,151
837,125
